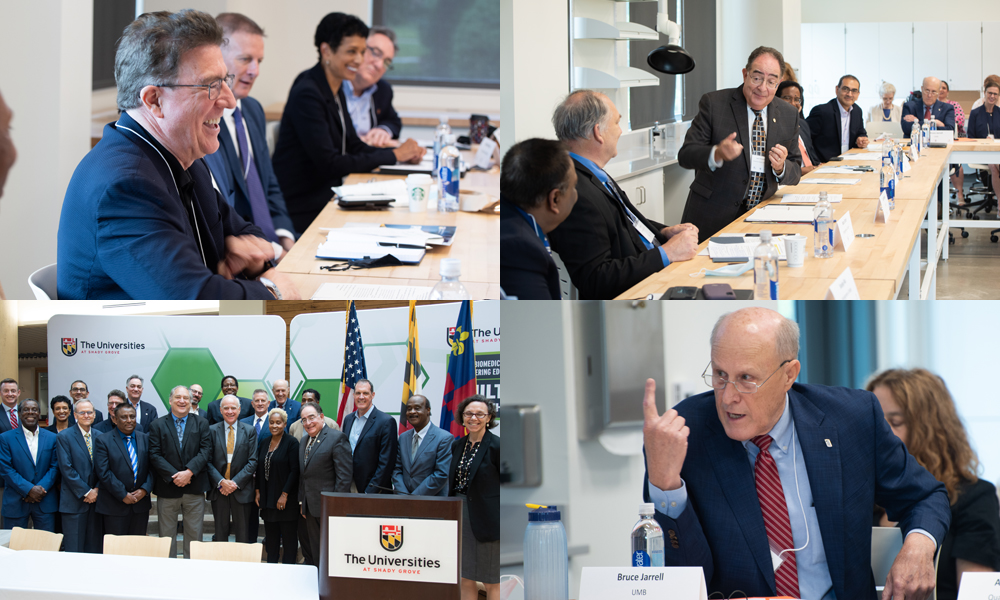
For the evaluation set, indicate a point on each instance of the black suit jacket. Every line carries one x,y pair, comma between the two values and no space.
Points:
526,269
806,134
824,122
307,158
484,486
282,476
716,197
168,457
329,469
375,452
115,476
942,111
227,168
104,426
148,416
214,414
602,251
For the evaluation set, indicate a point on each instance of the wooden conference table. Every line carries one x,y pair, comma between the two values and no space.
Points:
878,263
477,244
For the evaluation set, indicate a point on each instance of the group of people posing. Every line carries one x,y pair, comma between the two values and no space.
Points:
253,459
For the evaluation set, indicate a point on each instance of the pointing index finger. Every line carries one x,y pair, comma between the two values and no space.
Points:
650,413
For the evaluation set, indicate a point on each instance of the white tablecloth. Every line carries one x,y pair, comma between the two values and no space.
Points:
34,575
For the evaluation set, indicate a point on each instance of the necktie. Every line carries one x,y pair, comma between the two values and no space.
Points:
757,180
132,457
230,444
416,444
90,449
619,195
927,112
805,153
179,423
13,418
309,448
260,421
775,511
258,201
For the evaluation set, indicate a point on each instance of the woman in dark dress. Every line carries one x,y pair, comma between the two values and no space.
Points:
922,414
475,477
60,414
278,488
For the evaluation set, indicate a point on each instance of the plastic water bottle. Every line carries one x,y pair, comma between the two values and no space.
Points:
915,140
449,173
546,560
897,147
887,182
933,122
647,539
823,228
450,288
925,134
443,129
765,269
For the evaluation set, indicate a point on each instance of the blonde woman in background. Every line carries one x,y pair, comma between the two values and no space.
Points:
920,411
886,111
982,99
788,73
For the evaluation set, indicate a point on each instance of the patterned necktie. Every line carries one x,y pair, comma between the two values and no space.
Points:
13,418
260,421
772,505
757,180
230,444
179,423
416,444
309,448
90,449
132,457
258,201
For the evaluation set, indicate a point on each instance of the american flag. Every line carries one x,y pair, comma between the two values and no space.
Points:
354,364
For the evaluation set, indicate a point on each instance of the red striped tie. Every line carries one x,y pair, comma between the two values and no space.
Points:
772,504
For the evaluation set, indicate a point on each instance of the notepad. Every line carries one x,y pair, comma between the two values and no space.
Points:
808,198
353,243
393,188
743,250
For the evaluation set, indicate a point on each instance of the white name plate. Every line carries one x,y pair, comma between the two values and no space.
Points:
979,586
943,136
844,287
631,583
882,212
843,233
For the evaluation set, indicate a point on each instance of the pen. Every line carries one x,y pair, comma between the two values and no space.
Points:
412,246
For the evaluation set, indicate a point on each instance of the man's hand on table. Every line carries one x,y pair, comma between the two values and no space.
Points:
284,283
379,138
409,152
912,573
245,253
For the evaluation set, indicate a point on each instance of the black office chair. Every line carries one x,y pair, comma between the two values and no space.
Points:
982,187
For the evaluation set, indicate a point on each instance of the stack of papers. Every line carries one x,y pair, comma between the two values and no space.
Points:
831,181
877,156
354,242
841,170
359,291
808,198
392,188
781,213
742,249
434,235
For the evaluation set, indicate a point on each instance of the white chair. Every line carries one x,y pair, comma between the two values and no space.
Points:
874,128
272,135
43,283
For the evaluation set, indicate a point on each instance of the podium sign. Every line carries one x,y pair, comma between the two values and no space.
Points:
390,546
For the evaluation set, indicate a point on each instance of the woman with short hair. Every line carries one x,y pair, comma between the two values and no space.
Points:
277,492
886,111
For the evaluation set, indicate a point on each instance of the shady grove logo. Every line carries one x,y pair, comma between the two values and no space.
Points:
392,537
69,346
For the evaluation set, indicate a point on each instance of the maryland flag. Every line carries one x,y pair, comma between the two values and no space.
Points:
461,380
411,373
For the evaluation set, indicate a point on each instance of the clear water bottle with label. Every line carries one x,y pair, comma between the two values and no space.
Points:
933,123
449,173
925,134
765,269
897,149
647,539
887,182
546,560
443,129
915,139
450,288
823,228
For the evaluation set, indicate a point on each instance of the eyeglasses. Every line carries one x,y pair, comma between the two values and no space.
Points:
929,92
757,78
743,386
78,389
477,416
311,418
86,413
214,88
849,90
387,62
792,100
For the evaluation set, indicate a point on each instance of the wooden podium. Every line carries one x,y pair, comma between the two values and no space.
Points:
388,506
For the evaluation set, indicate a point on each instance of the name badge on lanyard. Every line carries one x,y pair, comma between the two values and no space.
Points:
756,163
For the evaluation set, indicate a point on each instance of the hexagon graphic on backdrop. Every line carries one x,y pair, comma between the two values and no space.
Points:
329,392
187,366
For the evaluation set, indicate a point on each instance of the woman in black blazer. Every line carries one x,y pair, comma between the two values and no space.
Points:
278,488
475,477
317,145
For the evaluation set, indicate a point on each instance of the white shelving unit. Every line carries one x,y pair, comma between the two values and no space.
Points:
600,46
623,77
592,29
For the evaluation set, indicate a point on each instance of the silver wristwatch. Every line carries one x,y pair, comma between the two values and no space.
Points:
270,285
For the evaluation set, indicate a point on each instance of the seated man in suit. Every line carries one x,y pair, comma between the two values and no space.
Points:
369,99
738,144
282,401
179,451
78,491
115,397
121,459
538,191
324,466
928,107
140,218
230,472
29,467
606,244
424,460
145,413
838,125
297,430
374,442
242,164
768,485
230,385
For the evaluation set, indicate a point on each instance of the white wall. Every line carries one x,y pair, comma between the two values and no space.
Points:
742,27
47,85
824,11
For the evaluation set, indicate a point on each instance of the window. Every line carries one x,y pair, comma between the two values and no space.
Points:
453,43
110,19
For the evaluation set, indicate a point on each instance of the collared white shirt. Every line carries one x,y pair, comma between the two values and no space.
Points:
32,439
359,425
138,413
423,432
236,437
845,127
7,410
90,431
262,420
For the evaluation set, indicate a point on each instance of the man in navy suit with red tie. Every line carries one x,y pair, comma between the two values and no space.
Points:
768,484
242,164
928,106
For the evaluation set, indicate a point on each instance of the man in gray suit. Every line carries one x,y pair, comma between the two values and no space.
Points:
325,465
424,458
230,471
738,144
81,524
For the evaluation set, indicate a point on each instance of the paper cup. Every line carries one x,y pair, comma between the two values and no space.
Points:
418,189
795,249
